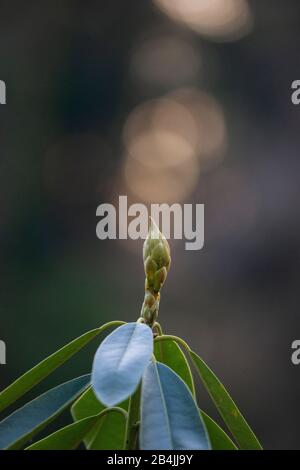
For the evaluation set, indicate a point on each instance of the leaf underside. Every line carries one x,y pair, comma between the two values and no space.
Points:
169,353
24,423
170,419
109,426
120,361
40,371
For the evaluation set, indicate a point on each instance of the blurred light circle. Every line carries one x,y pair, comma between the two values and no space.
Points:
165,61
161,165
169,140
219,19
161,133
209,119
169,184
157,149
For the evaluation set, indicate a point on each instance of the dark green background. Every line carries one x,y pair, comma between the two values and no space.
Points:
66,66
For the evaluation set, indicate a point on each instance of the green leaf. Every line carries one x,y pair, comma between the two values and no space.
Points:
218,438
230,413
69,437
120,362
39,372
24,423
169,353
110,434
88,405
170,419
132,426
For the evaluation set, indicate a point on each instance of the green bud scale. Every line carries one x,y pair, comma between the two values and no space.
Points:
157,262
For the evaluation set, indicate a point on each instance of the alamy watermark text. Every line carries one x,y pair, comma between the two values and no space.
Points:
2,352
188,221
2,92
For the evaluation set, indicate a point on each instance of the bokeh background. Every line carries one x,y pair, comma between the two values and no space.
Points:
162,101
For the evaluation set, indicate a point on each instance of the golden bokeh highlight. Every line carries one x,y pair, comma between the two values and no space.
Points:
160,133
210,123
219,19
172,184
168,141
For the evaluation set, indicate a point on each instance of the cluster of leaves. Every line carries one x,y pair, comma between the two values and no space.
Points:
140,393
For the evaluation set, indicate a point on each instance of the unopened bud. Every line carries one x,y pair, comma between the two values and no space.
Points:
159,279
150,269
157,261
150,308
156,252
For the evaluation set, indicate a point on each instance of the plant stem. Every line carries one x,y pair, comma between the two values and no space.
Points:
132,420
114,408
159,328
174,338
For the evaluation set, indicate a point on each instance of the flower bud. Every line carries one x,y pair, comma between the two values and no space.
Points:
156,252
150,268
150,308
159,279
157,261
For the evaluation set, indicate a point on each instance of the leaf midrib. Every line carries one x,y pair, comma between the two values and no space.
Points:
126,349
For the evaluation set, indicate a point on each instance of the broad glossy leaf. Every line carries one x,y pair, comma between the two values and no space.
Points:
170,419
218,438
120,362
88,405
67,438
110,434
27,421
70,436
169,353
134,415
39,372
230,413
